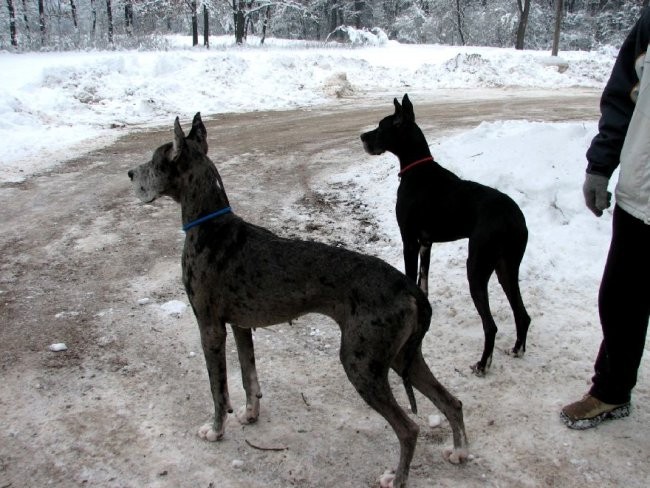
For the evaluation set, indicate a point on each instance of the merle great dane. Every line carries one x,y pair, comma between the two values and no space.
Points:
435,205
238,273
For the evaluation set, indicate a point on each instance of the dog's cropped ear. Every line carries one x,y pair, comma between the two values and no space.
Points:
199,133
407,109
397,118
398,107
179,140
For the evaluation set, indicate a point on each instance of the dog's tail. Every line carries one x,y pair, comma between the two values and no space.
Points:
409,392
413,344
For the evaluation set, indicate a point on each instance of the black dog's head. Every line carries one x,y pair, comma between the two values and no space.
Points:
165,174
392,130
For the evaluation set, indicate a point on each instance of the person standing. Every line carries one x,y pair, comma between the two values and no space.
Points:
623,141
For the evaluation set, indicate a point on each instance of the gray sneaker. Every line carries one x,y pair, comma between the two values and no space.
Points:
590,411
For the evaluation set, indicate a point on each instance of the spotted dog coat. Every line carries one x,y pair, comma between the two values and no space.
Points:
238,273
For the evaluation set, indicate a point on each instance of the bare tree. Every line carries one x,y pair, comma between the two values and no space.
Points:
234,14
240,22
29,37
559,8
12,23
359,5
128,17
248,24
524,10
109,14
206,27
267,17
459,18
73,9
195,24
248,14
93,11
41,20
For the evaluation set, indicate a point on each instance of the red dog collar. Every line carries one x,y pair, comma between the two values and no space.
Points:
416,163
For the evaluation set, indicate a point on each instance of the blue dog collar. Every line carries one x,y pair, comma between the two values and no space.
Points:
211,216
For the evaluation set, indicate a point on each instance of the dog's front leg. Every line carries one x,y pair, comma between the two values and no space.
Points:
425,260
411,251
213,340
249,413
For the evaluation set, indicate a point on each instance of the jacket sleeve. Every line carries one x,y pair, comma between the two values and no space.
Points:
617,101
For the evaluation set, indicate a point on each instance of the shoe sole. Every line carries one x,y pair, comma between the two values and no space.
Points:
583,424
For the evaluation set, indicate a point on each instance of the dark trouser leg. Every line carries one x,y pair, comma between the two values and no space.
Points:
624,307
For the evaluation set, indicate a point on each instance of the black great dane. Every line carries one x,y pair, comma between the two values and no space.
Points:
238,273
435,205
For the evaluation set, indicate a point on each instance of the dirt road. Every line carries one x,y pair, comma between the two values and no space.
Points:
82,262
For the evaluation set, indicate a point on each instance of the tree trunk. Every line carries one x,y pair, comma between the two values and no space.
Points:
41,20
206,27
240,22
523,23
73,9
334,16
559,5
109,15
195,25
358,10
459,17
12,23
249,26
93,11
29,37
128,17
234,16
267,17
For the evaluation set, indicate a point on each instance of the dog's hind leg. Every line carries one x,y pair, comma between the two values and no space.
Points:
380,398
424,381
366,366
480,265
249,413
508,274
213,340
425,260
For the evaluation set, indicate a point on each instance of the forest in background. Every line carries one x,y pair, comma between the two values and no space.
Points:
51,25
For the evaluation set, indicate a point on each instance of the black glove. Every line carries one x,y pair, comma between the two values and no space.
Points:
596,195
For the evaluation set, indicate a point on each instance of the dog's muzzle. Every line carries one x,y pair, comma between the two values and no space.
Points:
138,183
369,146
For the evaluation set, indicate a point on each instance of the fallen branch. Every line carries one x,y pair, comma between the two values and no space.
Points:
265,448
305,400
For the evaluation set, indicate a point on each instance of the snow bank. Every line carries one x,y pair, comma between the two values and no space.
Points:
53,105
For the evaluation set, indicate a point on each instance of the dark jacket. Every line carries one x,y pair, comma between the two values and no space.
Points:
624,128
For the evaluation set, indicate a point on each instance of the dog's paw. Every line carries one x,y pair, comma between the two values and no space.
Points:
516,352
455,456
478,370
386,479
247,415
208,433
